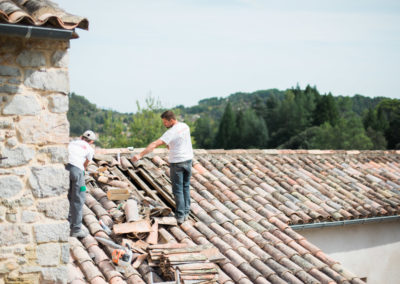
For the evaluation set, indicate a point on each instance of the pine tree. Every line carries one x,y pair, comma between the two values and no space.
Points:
326,110
226,130
203,132
388,117
254,132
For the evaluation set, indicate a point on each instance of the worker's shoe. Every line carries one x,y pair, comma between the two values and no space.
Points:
79,234
186,217
180,221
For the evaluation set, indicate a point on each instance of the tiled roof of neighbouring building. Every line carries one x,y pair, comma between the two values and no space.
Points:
243,203
39,13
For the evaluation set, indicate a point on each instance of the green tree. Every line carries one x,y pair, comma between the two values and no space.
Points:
388,117
326,110
292,116
251,131
79,114
344,105
227,129
303,140
147,125
375,129
377,138
114,133
348,133
204,132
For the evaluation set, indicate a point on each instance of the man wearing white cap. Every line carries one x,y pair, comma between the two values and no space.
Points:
80,153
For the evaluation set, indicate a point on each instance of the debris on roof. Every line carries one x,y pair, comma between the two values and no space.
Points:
243,203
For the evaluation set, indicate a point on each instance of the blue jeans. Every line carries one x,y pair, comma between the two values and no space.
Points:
180,178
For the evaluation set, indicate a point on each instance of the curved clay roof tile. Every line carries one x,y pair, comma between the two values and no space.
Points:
39,13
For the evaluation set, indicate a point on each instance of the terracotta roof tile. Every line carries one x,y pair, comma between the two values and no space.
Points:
243,204
333,275
321,276
297,247
187,235
236,274
38,13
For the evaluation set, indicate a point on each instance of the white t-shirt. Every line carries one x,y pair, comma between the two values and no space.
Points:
178,140
78,152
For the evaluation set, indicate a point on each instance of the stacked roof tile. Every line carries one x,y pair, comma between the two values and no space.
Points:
39,13
243,203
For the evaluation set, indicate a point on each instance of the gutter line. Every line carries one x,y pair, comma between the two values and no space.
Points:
34,32
345,222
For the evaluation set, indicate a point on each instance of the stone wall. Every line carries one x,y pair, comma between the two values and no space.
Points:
34,133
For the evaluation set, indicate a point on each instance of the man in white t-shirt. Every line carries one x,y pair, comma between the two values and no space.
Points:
177,138
80,153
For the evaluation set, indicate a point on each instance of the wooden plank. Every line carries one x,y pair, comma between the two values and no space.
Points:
199,271
117,190
168,197
118,194
185,257
116,171
149,191
195,266
169,245
198,277
142,226
189,249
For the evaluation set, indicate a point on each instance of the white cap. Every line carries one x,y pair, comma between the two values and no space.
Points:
89,134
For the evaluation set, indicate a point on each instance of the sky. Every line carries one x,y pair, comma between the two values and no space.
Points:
183,51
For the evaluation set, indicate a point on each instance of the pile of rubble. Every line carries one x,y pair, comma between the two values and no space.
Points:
185,262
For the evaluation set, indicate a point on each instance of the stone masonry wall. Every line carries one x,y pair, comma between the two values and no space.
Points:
34,133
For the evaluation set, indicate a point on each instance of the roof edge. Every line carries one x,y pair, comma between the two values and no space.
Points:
379,219
35,32
255,151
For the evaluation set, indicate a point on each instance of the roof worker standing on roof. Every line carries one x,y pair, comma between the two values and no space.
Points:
177,138
80,153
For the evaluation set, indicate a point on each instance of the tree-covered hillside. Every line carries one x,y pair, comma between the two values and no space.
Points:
294,119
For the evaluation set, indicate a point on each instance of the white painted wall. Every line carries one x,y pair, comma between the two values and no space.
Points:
368,250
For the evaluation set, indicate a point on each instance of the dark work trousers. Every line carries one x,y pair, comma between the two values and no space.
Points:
76,197
180,178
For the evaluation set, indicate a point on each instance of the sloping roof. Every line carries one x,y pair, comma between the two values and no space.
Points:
243,203
39,13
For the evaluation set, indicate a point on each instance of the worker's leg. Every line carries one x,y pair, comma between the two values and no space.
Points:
186,186
177,188
68,168
77,198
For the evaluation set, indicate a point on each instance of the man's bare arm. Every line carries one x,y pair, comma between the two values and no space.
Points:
148,149
86,163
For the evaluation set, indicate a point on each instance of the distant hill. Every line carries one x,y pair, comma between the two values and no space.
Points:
84,115
214,107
